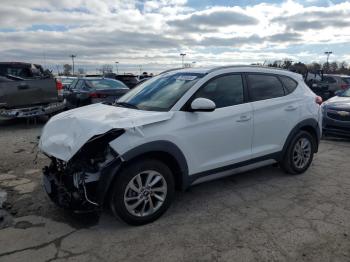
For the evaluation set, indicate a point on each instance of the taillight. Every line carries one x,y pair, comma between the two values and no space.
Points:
318,100
344,86
97,95
59,87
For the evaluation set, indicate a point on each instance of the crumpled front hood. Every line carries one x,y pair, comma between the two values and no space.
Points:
67,132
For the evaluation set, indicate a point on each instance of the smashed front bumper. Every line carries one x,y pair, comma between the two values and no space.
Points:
79,190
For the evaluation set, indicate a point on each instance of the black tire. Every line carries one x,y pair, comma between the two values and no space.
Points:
288,164
120,185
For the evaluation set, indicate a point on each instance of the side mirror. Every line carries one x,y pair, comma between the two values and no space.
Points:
203,105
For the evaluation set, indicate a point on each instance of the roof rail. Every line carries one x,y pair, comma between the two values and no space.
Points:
235,66
170,70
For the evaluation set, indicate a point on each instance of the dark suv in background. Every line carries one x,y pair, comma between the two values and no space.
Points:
129,80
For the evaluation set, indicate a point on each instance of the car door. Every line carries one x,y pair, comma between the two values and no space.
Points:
222,137
74,93
275,112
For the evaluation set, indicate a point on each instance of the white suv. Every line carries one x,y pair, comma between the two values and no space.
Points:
175,130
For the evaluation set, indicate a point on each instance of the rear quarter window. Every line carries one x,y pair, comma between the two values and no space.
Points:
289,83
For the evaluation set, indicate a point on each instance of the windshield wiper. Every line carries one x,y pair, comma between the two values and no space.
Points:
127,105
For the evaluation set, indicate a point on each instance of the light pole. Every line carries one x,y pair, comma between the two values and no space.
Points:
182,57
328,53
73,56
116,64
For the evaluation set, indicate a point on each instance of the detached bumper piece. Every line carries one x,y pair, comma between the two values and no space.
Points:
79,191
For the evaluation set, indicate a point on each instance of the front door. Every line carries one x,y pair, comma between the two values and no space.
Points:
220,138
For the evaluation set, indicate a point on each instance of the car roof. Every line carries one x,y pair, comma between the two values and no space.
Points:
248,68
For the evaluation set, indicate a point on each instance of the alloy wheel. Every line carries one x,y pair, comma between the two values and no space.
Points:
145,193
302,152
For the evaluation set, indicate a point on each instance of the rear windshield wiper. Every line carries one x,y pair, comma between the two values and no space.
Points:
127,105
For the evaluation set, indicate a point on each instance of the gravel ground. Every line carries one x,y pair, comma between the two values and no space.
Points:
262,215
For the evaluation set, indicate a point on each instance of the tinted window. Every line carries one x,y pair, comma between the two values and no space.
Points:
346,80
79,85
329,79
263,87
223,91
72,85
289,83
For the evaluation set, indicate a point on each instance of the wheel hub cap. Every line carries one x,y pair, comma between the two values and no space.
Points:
145,193
302,152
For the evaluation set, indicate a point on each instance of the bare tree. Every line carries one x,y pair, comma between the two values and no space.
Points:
81,71
67,68
333,67
107,69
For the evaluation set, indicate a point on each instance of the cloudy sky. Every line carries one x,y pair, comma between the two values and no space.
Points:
154,33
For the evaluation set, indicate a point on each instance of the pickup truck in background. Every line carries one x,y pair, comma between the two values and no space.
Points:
26,90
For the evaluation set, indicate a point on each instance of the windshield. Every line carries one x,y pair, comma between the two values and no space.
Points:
160,93
346,93
346,79
100,84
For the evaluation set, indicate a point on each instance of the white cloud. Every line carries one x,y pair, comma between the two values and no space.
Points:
155,32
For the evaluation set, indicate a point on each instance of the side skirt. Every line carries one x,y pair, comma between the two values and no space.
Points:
234,169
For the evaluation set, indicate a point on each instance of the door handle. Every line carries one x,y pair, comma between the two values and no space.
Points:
290,108
244,118
23,86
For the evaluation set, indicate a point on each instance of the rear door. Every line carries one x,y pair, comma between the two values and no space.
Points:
275,110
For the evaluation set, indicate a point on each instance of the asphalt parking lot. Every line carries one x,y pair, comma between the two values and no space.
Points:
263,215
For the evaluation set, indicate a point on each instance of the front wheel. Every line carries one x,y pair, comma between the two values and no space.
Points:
299,154
142,192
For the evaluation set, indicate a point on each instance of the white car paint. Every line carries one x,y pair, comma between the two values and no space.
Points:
208,140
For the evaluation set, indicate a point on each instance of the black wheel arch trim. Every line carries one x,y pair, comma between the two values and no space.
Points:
161,146
310,122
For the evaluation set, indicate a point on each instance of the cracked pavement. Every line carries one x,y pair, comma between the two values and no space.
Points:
262,215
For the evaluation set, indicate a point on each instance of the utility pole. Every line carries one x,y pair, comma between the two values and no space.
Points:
116,64
73,56
328,53
182,56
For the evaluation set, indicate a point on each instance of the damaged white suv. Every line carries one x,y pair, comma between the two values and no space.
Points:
175,130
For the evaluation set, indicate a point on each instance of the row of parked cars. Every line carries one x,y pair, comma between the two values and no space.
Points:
27,91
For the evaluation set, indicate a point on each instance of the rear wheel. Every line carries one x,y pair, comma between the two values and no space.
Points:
142,192
299,154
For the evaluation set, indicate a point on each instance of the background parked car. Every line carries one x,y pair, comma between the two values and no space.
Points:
89,90
129,80
337,82
336,114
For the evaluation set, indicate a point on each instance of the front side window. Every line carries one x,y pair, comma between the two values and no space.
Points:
263,87
223,91
160,93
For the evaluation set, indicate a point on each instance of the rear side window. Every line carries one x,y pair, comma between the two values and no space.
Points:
263,87
329,79
223,91
289,83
